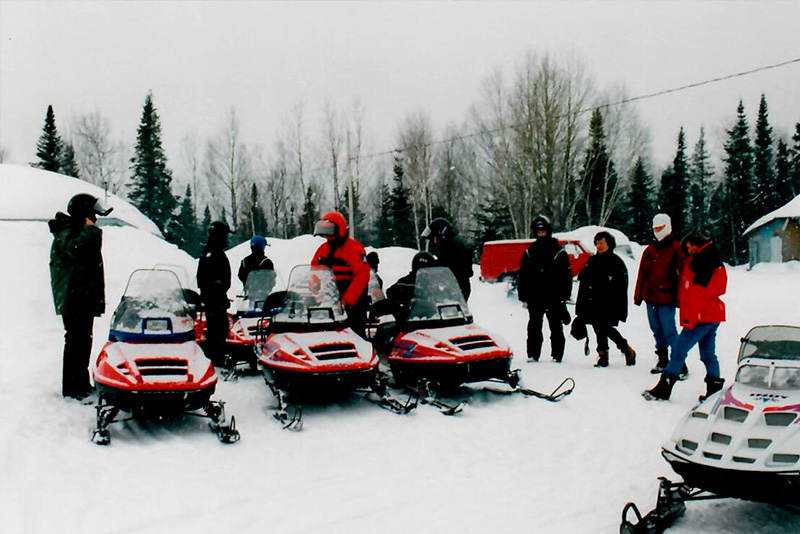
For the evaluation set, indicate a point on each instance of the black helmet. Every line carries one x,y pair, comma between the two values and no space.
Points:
422,259
439,227
84,205
540,222
219,228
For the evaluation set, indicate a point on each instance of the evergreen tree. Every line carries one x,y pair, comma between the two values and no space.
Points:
674,191
401,211
151,191
254,221
383,226
782,182
308,218
739,185
794,162
49,148
359,218
205,224
69,166
184,231
766,195
494,221
639,208
599,175
701,172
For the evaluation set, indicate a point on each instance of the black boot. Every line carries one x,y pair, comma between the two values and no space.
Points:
630,355
602,358
713,384
662,390
663,360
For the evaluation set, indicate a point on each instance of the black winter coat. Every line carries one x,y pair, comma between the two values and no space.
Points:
454,254
214,278
603,290
253,262
544,278
76,267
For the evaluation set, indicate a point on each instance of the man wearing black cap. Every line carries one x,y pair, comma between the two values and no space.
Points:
78,285
214,280
451,252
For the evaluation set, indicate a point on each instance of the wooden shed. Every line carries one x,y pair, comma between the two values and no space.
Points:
775,237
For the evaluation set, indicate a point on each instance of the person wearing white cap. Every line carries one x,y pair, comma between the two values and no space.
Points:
657,287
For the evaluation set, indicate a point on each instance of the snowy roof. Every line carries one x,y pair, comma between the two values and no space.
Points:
790,210
31,194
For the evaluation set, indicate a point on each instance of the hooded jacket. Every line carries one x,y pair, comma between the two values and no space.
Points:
703,281
603,291
77,278
348,261
545,276
659,273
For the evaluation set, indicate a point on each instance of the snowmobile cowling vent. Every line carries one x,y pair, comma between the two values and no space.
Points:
334,351
160,367
476,342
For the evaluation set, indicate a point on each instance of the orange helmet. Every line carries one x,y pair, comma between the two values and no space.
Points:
332,223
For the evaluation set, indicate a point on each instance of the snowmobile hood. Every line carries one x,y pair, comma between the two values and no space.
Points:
453,343
336,350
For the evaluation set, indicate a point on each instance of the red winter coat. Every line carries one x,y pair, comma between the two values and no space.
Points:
659,273
348,261
700,299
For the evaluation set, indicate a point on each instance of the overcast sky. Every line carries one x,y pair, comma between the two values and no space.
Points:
201,58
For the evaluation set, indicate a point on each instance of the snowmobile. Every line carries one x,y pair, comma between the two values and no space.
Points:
742,442
436,347
151,365
307,352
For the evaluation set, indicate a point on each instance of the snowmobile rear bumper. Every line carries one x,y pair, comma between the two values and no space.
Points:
760,486
310,383
157,401
452,373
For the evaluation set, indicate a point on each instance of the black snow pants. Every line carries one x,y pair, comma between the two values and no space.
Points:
77,351
535,338
217,326
604,332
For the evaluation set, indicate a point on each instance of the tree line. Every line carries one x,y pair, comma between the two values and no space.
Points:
539,143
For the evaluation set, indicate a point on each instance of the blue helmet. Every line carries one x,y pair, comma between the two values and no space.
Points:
258,242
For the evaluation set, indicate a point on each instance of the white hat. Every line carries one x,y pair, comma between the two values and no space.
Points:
662,219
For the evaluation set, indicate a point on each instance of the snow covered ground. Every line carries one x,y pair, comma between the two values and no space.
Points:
506,464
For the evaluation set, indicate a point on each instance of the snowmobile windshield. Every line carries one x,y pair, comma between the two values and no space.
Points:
312,301
771,343
259,284
769,376
153,309
438,300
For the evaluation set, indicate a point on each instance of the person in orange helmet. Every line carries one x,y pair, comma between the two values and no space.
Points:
347,259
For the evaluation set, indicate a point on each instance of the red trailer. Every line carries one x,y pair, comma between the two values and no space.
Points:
502,259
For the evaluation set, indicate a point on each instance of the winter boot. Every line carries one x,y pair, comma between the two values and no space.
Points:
663,360
630,355
662,390
713,384
602,358
684,373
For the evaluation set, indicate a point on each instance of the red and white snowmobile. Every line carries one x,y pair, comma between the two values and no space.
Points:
308,352
151,364
742,442
437,347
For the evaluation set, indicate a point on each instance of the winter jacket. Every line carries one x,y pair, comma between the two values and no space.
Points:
603,291
659,273
544,278
703,281
253,262
348,261
214,277
77,278
454,254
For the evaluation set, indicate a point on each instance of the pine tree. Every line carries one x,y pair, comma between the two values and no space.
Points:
674,191
205,224
794,161
401,211
701,172
383,226
766,196
639,207
69,166
494,221
49,148
254,221
151,191
308,218
739,181
782,178
359,218
183,230
599,175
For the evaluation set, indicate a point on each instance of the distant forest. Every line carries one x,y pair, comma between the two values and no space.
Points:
544,142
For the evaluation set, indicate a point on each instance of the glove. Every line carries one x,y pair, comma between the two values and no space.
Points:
565,317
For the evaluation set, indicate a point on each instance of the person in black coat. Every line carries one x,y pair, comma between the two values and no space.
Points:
77,281
214,280
603,298
256,260
544,284
451,252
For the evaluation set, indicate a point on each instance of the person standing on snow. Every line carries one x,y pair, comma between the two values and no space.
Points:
603,298
703,281
214,280
347,259
77,281
256,260
451,252
544,284
657,286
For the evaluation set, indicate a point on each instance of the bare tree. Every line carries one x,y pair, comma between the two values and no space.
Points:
228,167
455,179
333,147
191,159
100,159
415,139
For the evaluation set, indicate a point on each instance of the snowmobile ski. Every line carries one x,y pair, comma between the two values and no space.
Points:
565,388
670,506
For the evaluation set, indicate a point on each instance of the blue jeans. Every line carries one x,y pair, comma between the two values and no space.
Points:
704,335
662,322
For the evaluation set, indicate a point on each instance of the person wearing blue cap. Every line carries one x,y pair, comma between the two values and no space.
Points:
256,259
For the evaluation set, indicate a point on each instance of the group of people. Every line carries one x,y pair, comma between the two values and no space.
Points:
686,276
673,275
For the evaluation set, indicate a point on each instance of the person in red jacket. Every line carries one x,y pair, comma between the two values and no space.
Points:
347,259
703,281
657,286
